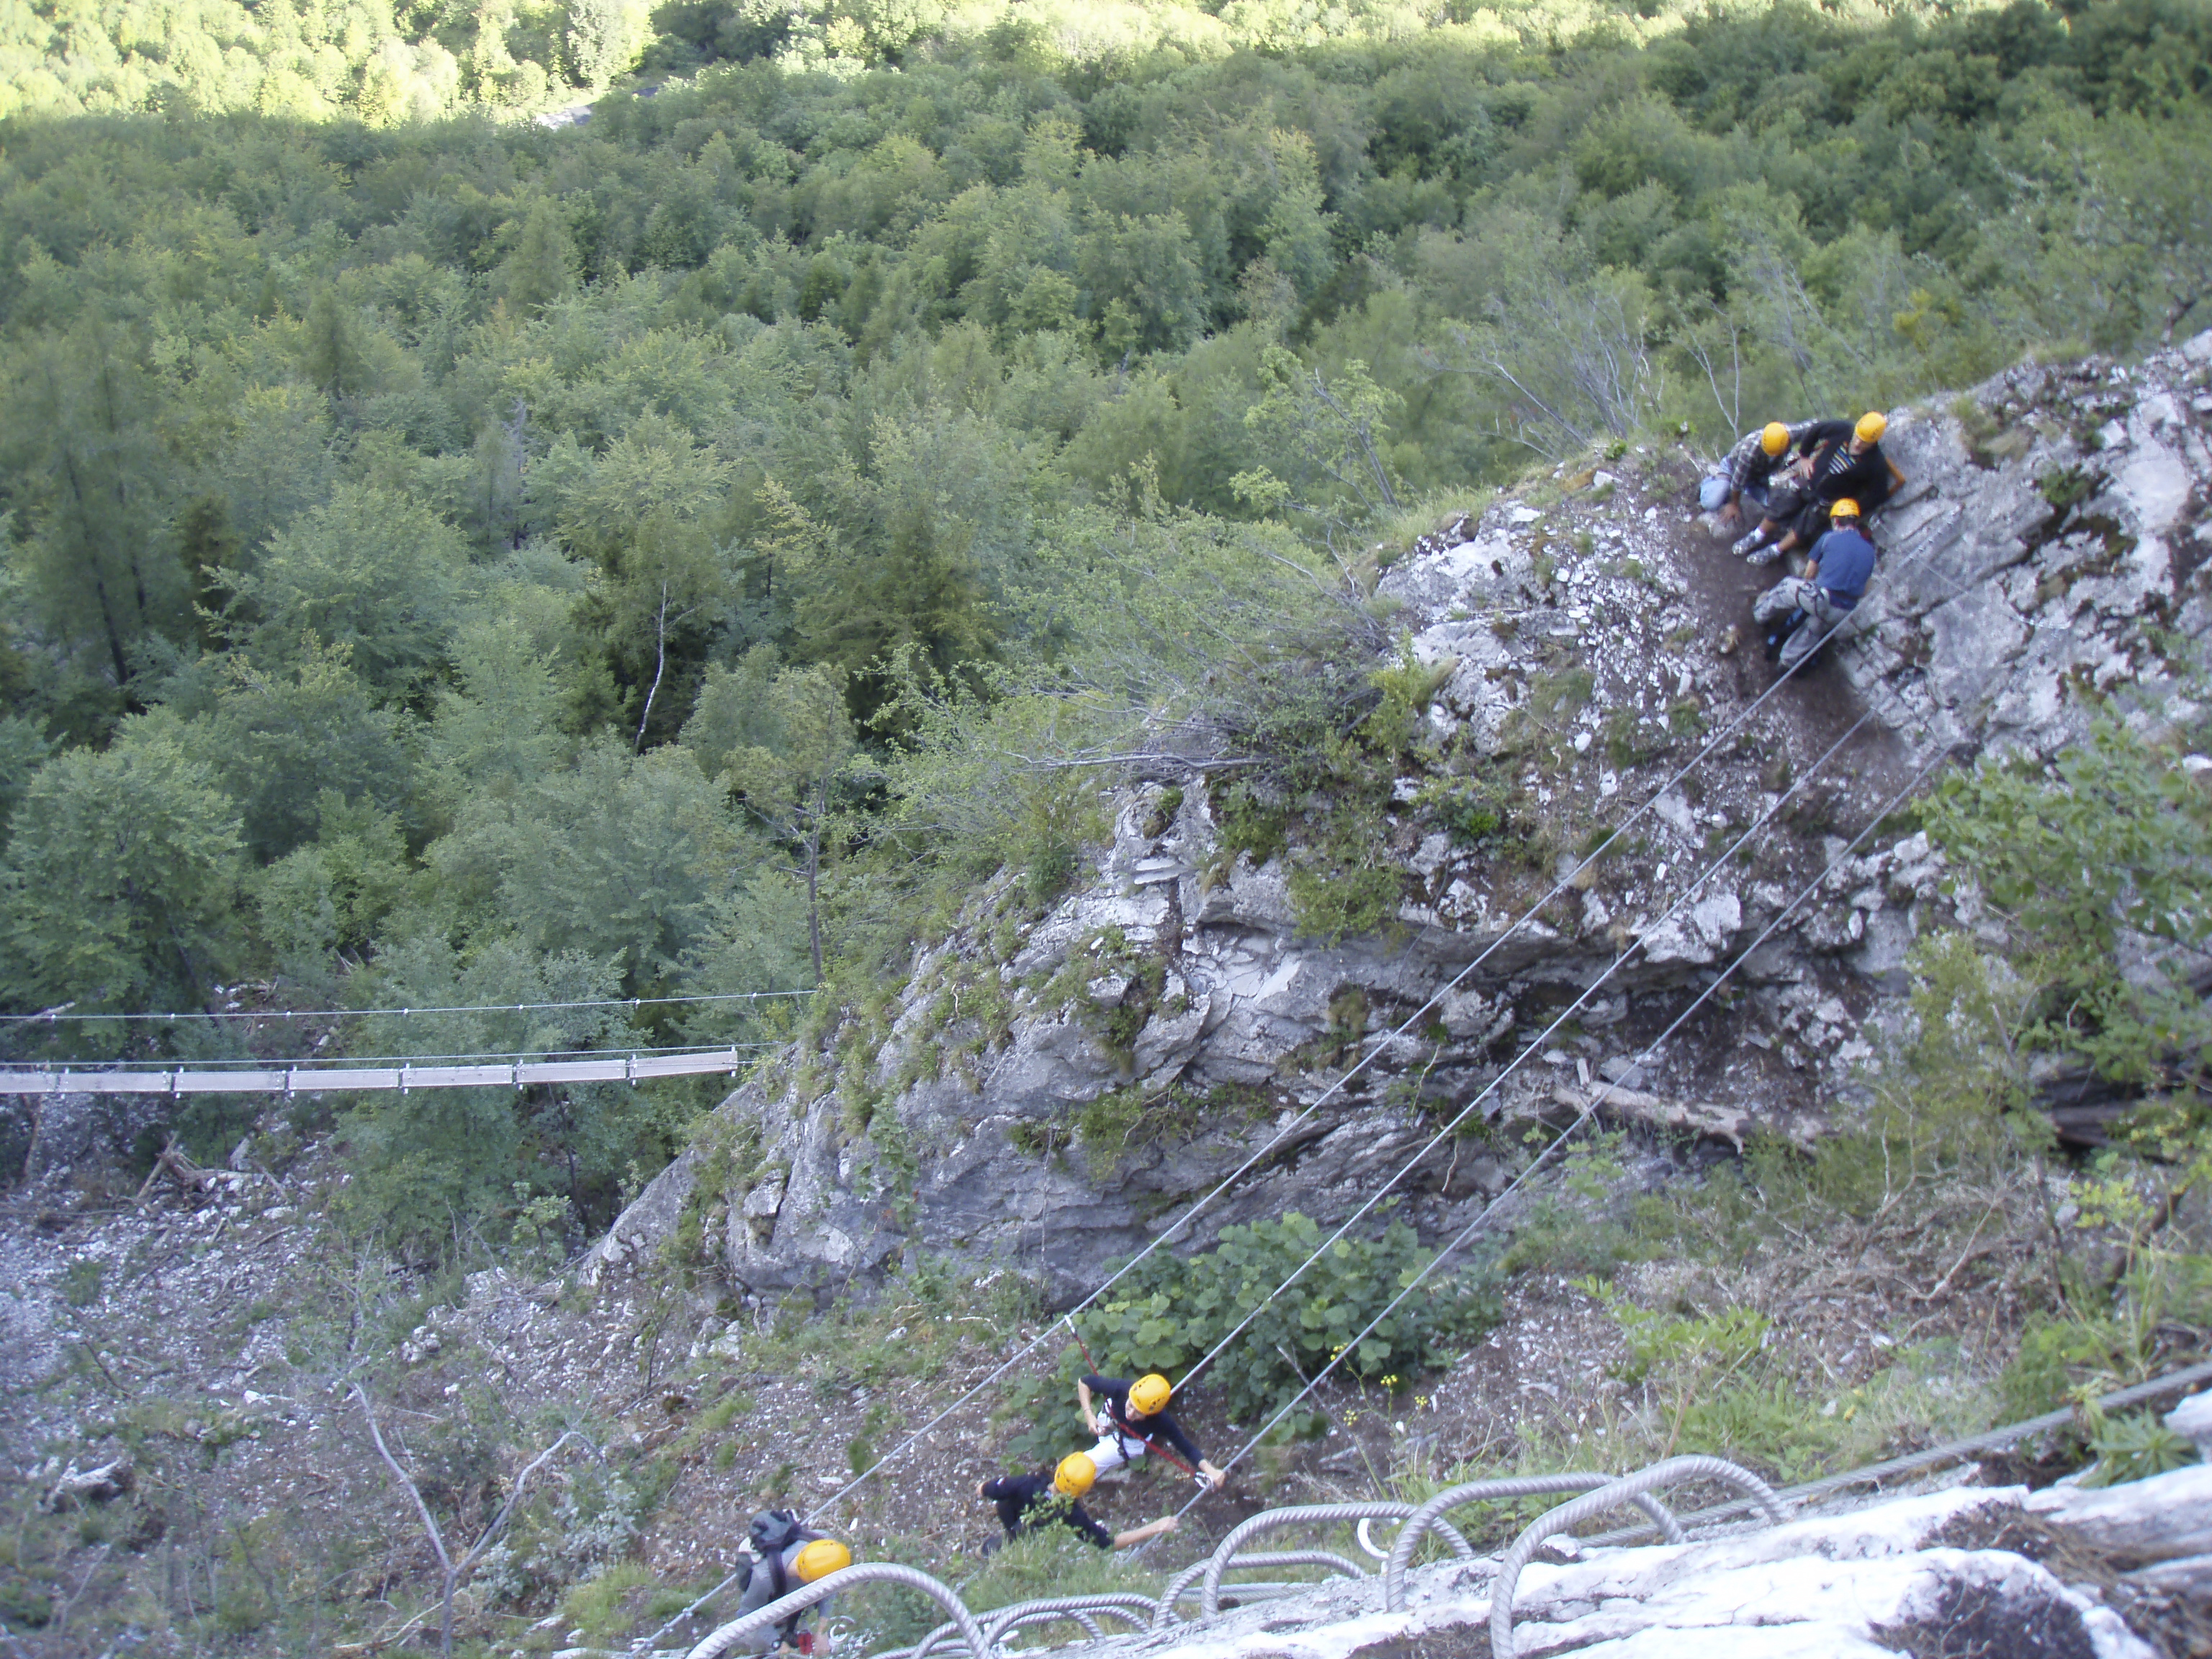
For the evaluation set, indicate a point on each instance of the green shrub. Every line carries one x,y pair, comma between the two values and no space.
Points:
80,1282
1168,1311
2134,1446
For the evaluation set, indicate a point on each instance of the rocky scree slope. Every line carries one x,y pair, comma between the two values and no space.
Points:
1047,1091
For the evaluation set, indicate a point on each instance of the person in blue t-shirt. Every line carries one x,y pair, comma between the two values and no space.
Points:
1835,578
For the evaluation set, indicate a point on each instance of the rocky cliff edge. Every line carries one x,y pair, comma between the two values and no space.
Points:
1047,1092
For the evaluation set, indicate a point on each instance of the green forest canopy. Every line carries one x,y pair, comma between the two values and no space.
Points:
450,560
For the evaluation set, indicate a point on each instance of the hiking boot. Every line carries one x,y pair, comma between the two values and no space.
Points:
1742,545
1766,555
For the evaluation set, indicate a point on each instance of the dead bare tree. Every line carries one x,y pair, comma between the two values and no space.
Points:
1574,365
454,1571
1705,354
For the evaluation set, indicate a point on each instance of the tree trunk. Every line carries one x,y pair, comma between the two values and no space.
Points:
813,873
660,666
92,560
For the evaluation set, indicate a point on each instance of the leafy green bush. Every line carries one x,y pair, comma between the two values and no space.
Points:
80,1282
2106,847
2134,1447
1171,1309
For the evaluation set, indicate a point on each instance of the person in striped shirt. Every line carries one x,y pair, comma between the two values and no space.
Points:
1748,470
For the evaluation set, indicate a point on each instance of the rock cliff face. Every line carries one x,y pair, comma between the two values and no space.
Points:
1048,1094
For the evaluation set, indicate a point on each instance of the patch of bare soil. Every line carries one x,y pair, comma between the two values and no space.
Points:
1819,704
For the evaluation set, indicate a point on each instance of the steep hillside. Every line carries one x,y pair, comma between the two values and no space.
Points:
890,1208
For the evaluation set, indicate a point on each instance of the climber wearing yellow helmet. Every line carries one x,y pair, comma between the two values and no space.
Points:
1054,1497
782,1556
1134,1415
1748,470
1803,611
1843,460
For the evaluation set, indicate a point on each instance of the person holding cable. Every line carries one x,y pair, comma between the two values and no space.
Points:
1129,1417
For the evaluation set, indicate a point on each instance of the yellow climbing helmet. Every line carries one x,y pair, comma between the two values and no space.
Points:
1075,1475
1871,426
820,1559
1148,1394
1775,439
1844,508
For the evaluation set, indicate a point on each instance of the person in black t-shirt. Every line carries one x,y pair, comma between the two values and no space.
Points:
1135,1414
1028,1503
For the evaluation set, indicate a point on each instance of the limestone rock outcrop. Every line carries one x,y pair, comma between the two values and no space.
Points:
1052,1103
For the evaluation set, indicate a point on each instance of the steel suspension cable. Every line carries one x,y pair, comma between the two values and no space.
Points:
1512,1066
1734,724
55,1016
1585,1114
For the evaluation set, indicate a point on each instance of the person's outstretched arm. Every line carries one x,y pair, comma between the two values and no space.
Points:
1083,1404
1149,1529
1172,1431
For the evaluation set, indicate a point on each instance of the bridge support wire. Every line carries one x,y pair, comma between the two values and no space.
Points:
1612,1496
1713,745
1680,902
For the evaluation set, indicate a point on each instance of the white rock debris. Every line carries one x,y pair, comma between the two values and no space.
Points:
1878,1580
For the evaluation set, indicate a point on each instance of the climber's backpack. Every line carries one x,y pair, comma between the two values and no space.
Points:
773,1530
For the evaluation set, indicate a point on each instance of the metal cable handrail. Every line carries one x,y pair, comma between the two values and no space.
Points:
342,1075
1611,1495
326,1062
722,1639
1472,1492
